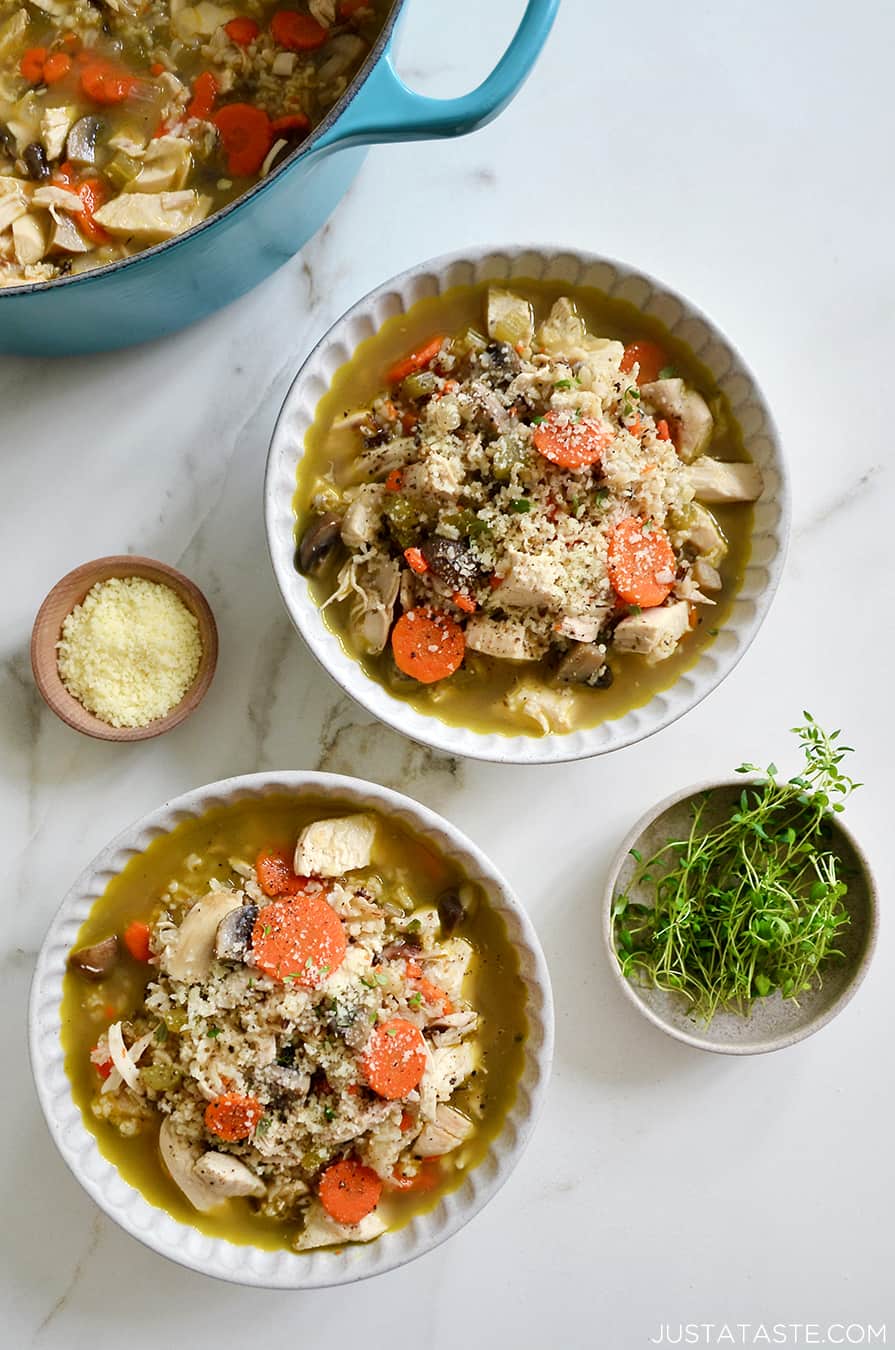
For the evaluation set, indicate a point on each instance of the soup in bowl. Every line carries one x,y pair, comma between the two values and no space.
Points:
300,1020
527,505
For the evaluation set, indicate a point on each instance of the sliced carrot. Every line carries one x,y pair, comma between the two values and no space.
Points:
349,1191
136,939
649,356
464,602
205,92
494,581
275,874
662,430
395,481
103,1067
417,360
233,1116
56,67
292,122
106,84
636,427
427,645
409,419
413,970
395,1058
641,563
31,66
92,192
297,32
71,42
242,30
245,135
299,939
407,1121
571,444
434,995
415,561
426,1178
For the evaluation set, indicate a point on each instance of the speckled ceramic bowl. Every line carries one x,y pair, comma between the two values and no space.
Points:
615,279
215,1256
773,1022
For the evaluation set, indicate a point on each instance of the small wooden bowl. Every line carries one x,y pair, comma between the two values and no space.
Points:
60,602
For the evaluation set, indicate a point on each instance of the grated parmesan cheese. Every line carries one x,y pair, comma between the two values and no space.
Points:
129,652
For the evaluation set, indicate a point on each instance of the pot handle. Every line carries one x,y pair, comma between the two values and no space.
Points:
385,109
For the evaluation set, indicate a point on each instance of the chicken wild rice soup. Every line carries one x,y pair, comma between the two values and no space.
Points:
293,1028
524,510
125,122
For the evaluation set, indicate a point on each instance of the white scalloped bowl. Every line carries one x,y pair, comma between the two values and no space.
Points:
772,511
215,1256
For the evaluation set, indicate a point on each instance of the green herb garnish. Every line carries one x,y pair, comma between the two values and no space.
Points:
329,1113
213,1032
161,1033
667,373
521,506
751,900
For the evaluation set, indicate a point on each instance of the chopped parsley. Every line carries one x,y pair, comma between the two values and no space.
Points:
329,1113
667,373
415,1000
213,1032
521,506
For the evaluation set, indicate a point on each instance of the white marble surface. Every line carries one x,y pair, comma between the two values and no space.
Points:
742,152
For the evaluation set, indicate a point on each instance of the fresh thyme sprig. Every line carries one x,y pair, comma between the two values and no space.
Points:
750,904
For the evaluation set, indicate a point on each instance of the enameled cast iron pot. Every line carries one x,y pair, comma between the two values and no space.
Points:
173,284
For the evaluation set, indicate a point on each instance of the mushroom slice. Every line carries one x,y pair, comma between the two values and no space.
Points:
227,1176
81,146
447,1131
585,663
234,935
317,542
180,1160
330,848
189,957
97,961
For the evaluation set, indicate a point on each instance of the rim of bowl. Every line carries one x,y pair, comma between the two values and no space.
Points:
375,54
504,263
217,1257
771,1043
44,639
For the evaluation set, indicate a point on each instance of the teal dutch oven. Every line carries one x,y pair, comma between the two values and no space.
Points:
173,284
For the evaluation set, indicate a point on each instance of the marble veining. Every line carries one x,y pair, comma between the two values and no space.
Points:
657,141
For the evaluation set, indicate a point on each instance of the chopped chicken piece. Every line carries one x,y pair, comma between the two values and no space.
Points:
686,410
150,217
552,709
505,639
328,848
226,1176
446,1132
654,633
716,481
322,1231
